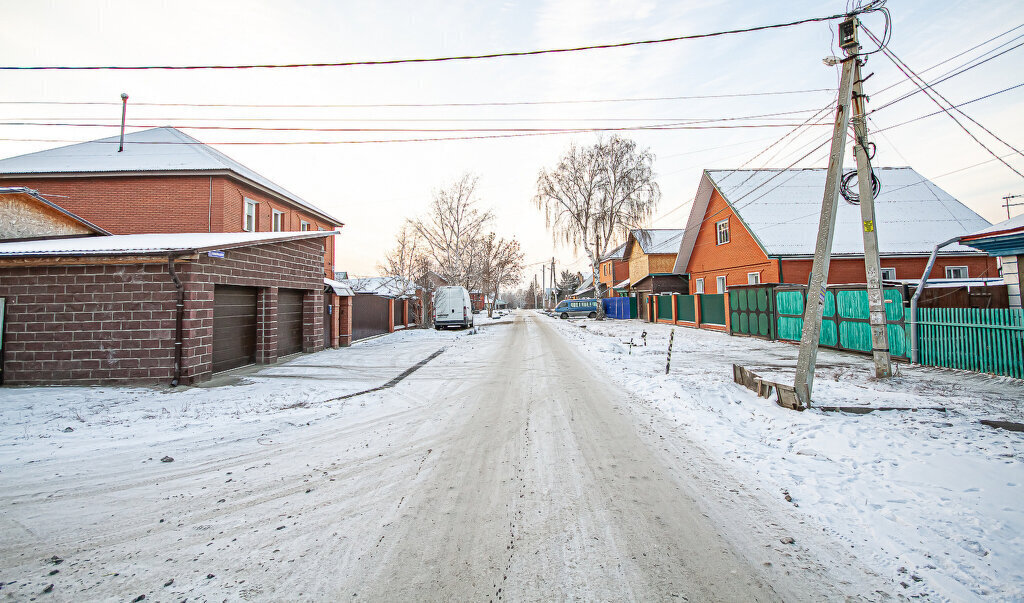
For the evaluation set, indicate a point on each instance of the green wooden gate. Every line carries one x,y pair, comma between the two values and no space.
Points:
973,339
844,323
752,311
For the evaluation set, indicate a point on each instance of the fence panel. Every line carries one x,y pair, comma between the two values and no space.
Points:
752,311
712,309
982,340
618,307
369,316
685,310
665,307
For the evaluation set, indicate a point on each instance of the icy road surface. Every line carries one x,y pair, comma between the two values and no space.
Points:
504,469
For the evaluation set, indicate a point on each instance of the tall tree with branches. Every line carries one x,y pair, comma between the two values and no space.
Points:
596,195
503,266
452,231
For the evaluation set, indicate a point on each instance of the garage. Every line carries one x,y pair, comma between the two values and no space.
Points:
234,327
289,321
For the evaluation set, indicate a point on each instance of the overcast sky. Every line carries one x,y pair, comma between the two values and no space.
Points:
373,187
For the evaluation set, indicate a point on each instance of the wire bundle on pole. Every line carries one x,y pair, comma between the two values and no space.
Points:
847,187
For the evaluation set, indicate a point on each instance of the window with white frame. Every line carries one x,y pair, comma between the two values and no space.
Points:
304,226
698,286
720,284
722,231
753,278
278,220
249,217
956,271
888,274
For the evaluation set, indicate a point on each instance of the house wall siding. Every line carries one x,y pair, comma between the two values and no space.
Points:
92,324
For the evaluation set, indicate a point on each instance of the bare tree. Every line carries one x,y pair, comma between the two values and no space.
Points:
502,266
452,231
407,266
597,194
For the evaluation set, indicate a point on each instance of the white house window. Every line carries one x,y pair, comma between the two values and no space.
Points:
278,218
888,274
698,286
720,284
249,218
956,271
305,226
722,230
753,278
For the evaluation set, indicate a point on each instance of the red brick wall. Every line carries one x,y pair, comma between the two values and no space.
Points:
734,259
143,204
851,270
115,323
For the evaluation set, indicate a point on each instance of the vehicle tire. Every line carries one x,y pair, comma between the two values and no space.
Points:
564,316
592,315
438,328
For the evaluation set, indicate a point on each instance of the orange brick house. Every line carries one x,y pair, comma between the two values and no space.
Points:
165,181
759,226
613,270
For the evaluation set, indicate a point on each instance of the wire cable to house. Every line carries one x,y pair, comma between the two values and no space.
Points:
871,7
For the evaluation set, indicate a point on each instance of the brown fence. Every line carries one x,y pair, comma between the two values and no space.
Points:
370,316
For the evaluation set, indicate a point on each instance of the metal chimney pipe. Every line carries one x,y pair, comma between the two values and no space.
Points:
124,112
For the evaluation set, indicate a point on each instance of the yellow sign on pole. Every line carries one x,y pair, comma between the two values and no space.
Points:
869,225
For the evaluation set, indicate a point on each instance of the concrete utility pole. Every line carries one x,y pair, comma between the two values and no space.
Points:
826,225
543,287
554,291
872,264
535,290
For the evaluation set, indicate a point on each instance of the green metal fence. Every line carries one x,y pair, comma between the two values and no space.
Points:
685,308
712,309
665,307
988,341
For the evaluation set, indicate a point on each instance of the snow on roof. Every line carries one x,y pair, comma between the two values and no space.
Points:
150,244
1006,226
339,287
658,240
154,150
618,253
781,209
385,286
622,285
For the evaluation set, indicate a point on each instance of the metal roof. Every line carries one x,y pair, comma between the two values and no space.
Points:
657,240
150,244
618,253
155,150
780,208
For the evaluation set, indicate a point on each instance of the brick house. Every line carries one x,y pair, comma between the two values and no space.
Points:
1004,240
105,309
614,269
751,226
168,182
651,254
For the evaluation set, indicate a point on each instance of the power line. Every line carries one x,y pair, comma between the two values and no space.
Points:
421,105
494,55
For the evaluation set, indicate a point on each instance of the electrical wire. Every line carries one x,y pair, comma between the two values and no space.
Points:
868,8
929,90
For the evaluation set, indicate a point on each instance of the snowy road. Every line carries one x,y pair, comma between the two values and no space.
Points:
504,469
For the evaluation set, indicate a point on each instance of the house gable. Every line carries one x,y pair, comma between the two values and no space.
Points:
742,249
29,216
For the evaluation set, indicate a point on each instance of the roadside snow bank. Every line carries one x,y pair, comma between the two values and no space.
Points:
931,499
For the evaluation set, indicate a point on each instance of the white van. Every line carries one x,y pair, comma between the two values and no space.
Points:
452,308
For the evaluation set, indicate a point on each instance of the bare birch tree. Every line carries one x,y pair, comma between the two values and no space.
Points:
502,266
452,230
596,195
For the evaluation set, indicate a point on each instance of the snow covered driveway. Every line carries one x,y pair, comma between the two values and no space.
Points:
503,469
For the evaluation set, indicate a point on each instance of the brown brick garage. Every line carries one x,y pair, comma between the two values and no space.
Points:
86,317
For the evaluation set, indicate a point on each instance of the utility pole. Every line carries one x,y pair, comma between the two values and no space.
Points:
815,305
535,290
554,291
543,287
872,264
1008,205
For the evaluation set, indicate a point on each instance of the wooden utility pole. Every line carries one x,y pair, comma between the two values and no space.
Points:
815,305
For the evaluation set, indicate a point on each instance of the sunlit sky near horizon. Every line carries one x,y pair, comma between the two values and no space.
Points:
373,187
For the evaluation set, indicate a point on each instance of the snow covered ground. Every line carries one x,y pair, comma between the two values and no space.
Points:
931,499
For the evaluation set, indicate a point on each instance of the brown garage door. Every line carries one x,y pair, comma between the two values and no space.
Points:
289,321
234,327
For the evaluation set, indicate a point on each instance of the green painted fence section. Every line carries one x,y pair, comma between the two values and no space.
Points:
987,341
752,311
712,309
665,307
844,322
685,308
